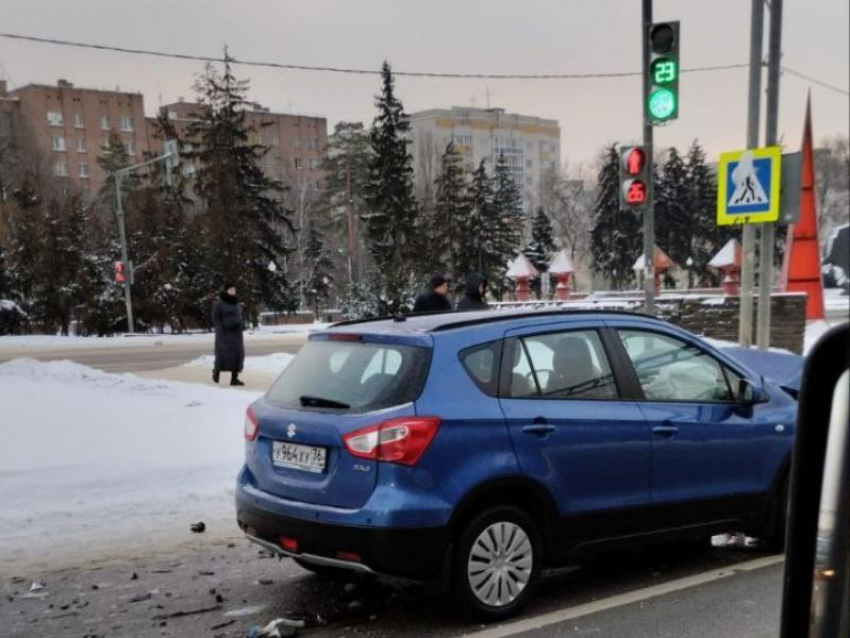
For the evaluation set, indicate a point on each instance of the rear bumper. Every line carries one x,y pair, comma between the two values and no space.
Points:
416,553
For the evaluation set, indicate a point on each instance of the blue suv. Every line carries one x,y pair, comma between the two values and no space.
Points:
485,446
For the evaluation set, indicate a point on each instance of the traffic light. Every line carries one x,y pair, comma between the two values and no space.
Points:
663,101
119,272
633,178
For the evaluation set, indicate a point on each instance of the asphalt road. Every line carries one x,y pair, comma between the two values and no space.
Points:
147,357
222,587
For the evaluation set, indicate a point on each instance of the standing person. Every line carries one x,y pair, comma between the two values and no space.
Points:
437,297
229,324
476,289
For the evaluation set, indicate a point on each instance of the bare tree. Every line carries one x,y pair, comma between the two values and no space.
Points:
567,198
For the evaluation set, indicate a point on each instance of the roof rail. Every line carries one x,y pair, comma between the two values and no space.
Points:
500,316
397,318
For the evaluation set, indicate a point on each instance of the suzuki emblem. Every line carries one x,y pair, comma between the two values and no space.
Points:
291,431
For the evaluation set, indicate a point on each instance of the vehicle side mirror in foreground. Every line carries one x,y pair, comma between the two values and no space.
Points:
747,393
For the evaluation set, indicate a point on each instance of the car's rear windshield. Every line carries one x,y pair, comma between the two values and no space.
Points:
351,376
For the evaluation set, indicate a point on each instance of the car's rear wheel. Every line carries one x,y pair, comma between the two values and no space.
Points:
497,562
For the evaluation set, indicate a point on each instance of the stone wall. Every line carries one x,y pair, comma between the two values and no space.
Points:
709,315
717,317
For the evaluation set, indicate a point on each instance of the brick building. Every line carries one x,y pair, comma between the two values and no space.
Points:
71,126
297,143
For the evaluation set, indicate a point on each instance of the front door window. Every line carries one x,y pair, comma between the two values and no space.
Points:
670,369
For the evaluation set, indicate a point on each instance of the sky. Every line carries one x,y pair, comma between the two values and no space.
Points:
460,36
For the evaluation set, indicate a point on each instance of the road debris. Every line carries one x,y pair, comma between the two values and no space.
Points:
191,612
199,527
277,628
138,598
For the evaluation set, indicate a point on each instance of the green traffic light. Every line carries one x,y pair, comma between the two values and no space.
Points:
664,71
662,104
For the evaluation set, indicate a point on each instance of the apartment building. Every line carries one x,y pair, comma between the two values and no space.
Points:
71,126
531,145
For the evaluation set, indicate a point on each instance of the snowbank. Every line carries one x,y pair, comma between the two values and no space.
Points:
90,460
56,342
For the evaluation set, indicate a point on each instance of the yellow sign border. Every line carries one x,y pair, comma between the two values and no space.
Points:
774,153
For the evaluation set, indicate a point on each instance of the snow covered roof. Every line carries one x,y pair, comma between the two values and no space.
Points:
562,264
521,267
662,261
729,255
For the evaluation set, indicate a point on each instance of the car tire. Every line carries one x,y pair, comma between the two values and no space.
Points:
497,563
774,535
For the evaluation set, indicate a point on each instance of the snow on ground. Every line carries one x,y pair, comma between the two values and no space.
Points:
95,460
834,299
272,364
814,331
294,328
57,342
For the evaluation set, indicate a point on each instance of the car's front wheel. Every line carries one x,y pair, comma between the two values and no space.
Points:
497,562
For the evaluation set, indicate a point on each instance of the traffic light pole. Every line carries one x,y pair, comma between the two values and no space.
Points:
125,259
122,234
745,325
649,208
770,131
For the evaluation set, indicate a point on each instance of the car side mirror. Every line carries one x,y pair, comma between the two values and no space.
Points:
747,394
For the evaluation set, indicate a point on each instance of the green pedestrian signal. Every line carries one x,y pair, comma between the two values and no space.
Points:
663,103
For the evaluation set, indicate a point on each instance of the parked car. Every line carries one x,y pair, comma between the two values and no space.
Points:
486,446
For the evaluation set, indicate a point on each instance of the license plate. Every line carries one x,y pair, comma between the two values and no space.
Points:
299,457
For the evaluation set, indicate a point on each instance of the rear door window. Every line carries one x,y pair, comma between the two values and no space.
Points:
359,375
561,365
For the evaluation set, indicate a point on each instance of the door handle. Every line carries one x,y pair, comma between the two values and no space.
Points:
666,430
539,427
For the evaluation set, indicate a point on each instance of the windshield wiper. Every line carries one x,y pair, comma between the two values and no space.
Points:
319,402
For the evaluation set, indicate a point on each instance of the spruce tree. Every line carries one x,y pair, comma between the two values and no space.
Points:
245,216
25,223
506,225
391,219
5,288
451,215
480,239
675,226
542,244
317,284
541,247
346,171
616,235
702,204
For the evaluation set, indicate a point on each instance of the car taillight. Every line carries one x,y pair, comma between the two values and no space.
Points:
252,426
401,441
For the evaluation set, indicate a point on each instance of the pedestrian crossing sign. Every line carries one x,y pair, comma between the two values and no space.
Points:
748,185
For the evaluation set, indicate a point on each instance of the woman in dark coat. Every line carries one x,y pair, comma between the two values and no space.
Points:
229,324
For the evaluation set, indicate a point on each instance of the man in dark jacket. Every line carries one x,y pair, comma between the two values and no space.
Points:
476,288
229,324
436,299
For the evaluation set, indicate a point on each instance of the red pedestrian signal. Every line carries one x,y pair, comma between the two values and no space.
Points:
635,161
633,178
119,272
